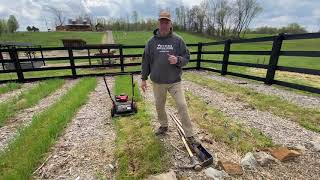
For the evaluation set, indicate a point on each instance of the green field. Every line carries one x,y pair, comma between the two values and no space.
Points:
292,45
51,38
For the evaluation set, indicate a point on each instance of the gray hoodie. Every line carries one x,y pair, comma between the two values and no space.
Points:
155,58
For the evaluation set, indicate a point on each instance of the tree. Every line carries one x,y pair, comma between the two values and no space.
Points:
58,16
34,29
29,28
224,13
244,11
200,14
211,16
12,24
135,19
3,26
293,28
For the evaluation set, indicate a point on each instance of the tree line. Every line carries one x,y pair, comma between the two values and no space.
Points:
219,18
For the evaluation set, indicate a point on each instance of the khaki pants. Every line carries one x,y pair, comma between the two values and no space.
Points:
176,92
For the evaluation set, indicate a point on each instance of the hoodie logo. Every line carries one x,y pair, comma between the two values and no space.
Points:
164,48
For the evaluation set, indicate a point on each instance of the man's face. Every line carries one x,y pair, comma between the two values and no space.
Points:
164,27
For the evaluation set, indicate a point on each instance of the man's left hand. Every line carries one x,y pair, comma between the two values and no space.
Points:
172,59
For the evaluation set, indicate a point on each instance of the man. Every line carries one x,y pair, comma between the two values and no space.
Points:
163,58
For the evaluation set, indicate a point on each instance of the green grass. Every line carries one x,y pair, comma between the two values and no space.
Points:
224,129
138,150
301,45
28,99
9,87
52,39
308,118
26,152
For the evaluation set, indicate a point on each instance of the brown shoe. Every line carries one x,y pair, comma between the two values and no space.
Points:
161,131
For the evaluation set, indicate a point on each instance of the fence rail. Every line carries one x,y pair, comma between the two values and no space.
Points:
271,68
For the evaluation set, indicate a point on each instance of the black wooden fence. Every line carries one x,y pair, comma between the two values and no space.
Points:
269,79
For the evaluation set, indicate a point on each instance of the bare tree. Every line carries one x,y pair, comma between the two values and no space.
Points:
135,19
59,18
201,15
210,8
244,11
224,13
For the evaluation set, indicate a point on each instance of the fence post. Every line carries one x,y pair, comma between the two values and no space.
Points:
225,61
121,57
199,55
274,57
1,58
73,67
89,56
15,58
41,52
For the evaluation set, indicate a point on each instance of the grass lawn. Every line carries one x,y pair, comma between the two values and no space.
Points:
51,39
140,153
292,45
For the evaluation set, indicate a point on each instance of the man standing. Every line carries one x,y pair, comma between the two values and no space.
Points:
163,58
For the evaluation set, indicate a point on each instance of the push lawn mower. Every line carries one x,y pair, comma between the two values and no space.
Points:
121,106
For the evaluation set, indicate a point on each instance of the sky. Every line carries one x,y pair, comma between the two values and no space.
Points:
36,12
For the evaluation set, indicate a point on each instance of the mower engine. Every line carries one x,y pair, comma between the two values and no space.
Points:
122,98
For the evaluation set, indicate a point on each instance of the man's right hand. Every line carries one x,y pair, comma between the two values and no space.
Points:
144,85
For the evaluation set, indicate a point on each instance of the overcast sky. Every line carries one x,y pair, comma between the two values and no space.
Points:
275,13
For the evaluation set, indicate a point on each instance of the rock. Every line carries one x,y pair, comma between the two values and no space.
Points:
284,154
249,161
230,167
111,166
171,175
316,144
215,174
300,148
263,158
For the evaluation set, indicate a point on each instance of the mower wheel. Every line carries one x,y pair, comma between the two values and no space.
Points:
113,111
135,108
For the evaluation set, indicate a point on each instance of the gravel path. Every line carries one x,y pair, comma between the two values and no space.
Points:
110,38
299,99
16,92
85,150
282,131
24,118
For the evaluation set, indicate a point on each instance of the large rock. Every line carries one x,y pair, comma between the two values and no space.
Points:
230,167
284,154
171,175
249,161
215,174
263,158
